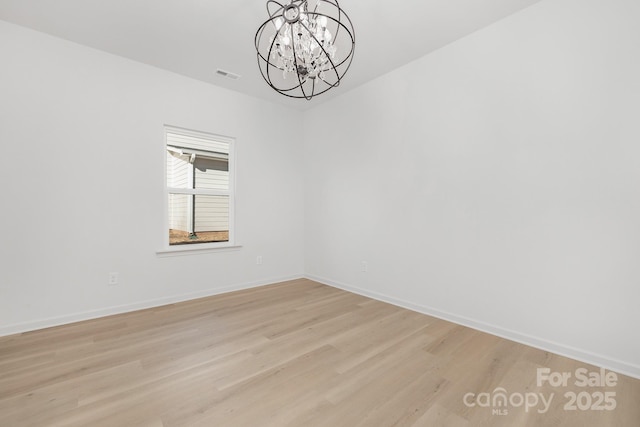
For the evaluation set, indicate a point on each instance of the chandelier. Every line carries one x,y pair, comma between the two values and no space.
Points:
305,47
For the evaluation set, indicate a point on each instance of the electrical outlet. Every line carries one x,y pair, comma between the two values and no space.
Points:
113,278
259,260
365,266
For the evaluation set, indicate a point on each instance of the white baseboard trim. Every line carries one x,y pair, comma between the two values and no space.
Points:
619,366
126,308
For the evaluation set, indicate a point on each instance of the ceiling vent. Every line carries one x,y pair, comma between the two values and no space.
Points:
227,74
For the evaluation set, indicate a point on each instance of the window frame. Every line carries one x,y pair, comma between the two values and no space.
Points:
204,246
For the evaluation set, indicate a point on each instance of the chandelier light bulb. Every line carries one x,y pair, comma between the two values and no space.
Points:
305,47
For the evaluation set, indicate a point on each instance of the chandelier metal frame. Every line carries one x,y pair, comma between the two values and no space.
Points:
315,69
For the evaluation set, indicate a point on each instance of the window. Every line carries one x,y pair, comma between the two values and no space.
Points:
199,188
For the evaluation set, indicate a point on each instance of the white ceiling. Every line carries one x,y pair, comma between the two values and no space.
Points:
196,37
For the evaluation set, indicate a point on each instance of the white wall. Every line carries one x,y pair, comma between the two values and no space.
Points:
82,163
495,182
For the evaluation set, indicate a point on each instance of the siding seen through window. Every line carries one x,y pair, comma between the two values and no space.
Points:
199,187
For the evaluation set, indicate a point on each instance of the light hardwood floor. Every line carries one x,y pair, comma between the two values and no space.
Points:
291,354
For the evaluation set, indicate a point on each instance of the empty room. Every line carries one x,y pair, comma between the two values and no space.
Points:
320,213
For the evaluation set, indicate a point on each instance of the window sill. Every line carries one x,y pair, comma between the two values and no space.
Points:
195,249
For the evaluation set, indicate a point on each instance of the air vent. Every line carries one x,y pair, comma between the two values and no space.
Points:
227,74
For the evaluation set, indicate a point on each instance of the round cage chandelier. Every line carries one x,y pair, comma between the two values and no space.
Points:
305,47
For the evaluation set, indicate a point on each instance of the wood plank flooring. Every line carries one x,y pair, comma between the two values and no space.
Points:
296,353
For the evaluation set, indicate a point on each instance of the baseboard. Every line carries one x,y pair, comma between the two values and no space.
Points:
109,311
599,360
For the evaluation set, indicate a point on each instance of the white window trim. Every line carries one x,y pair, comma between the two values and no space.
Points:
169,250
